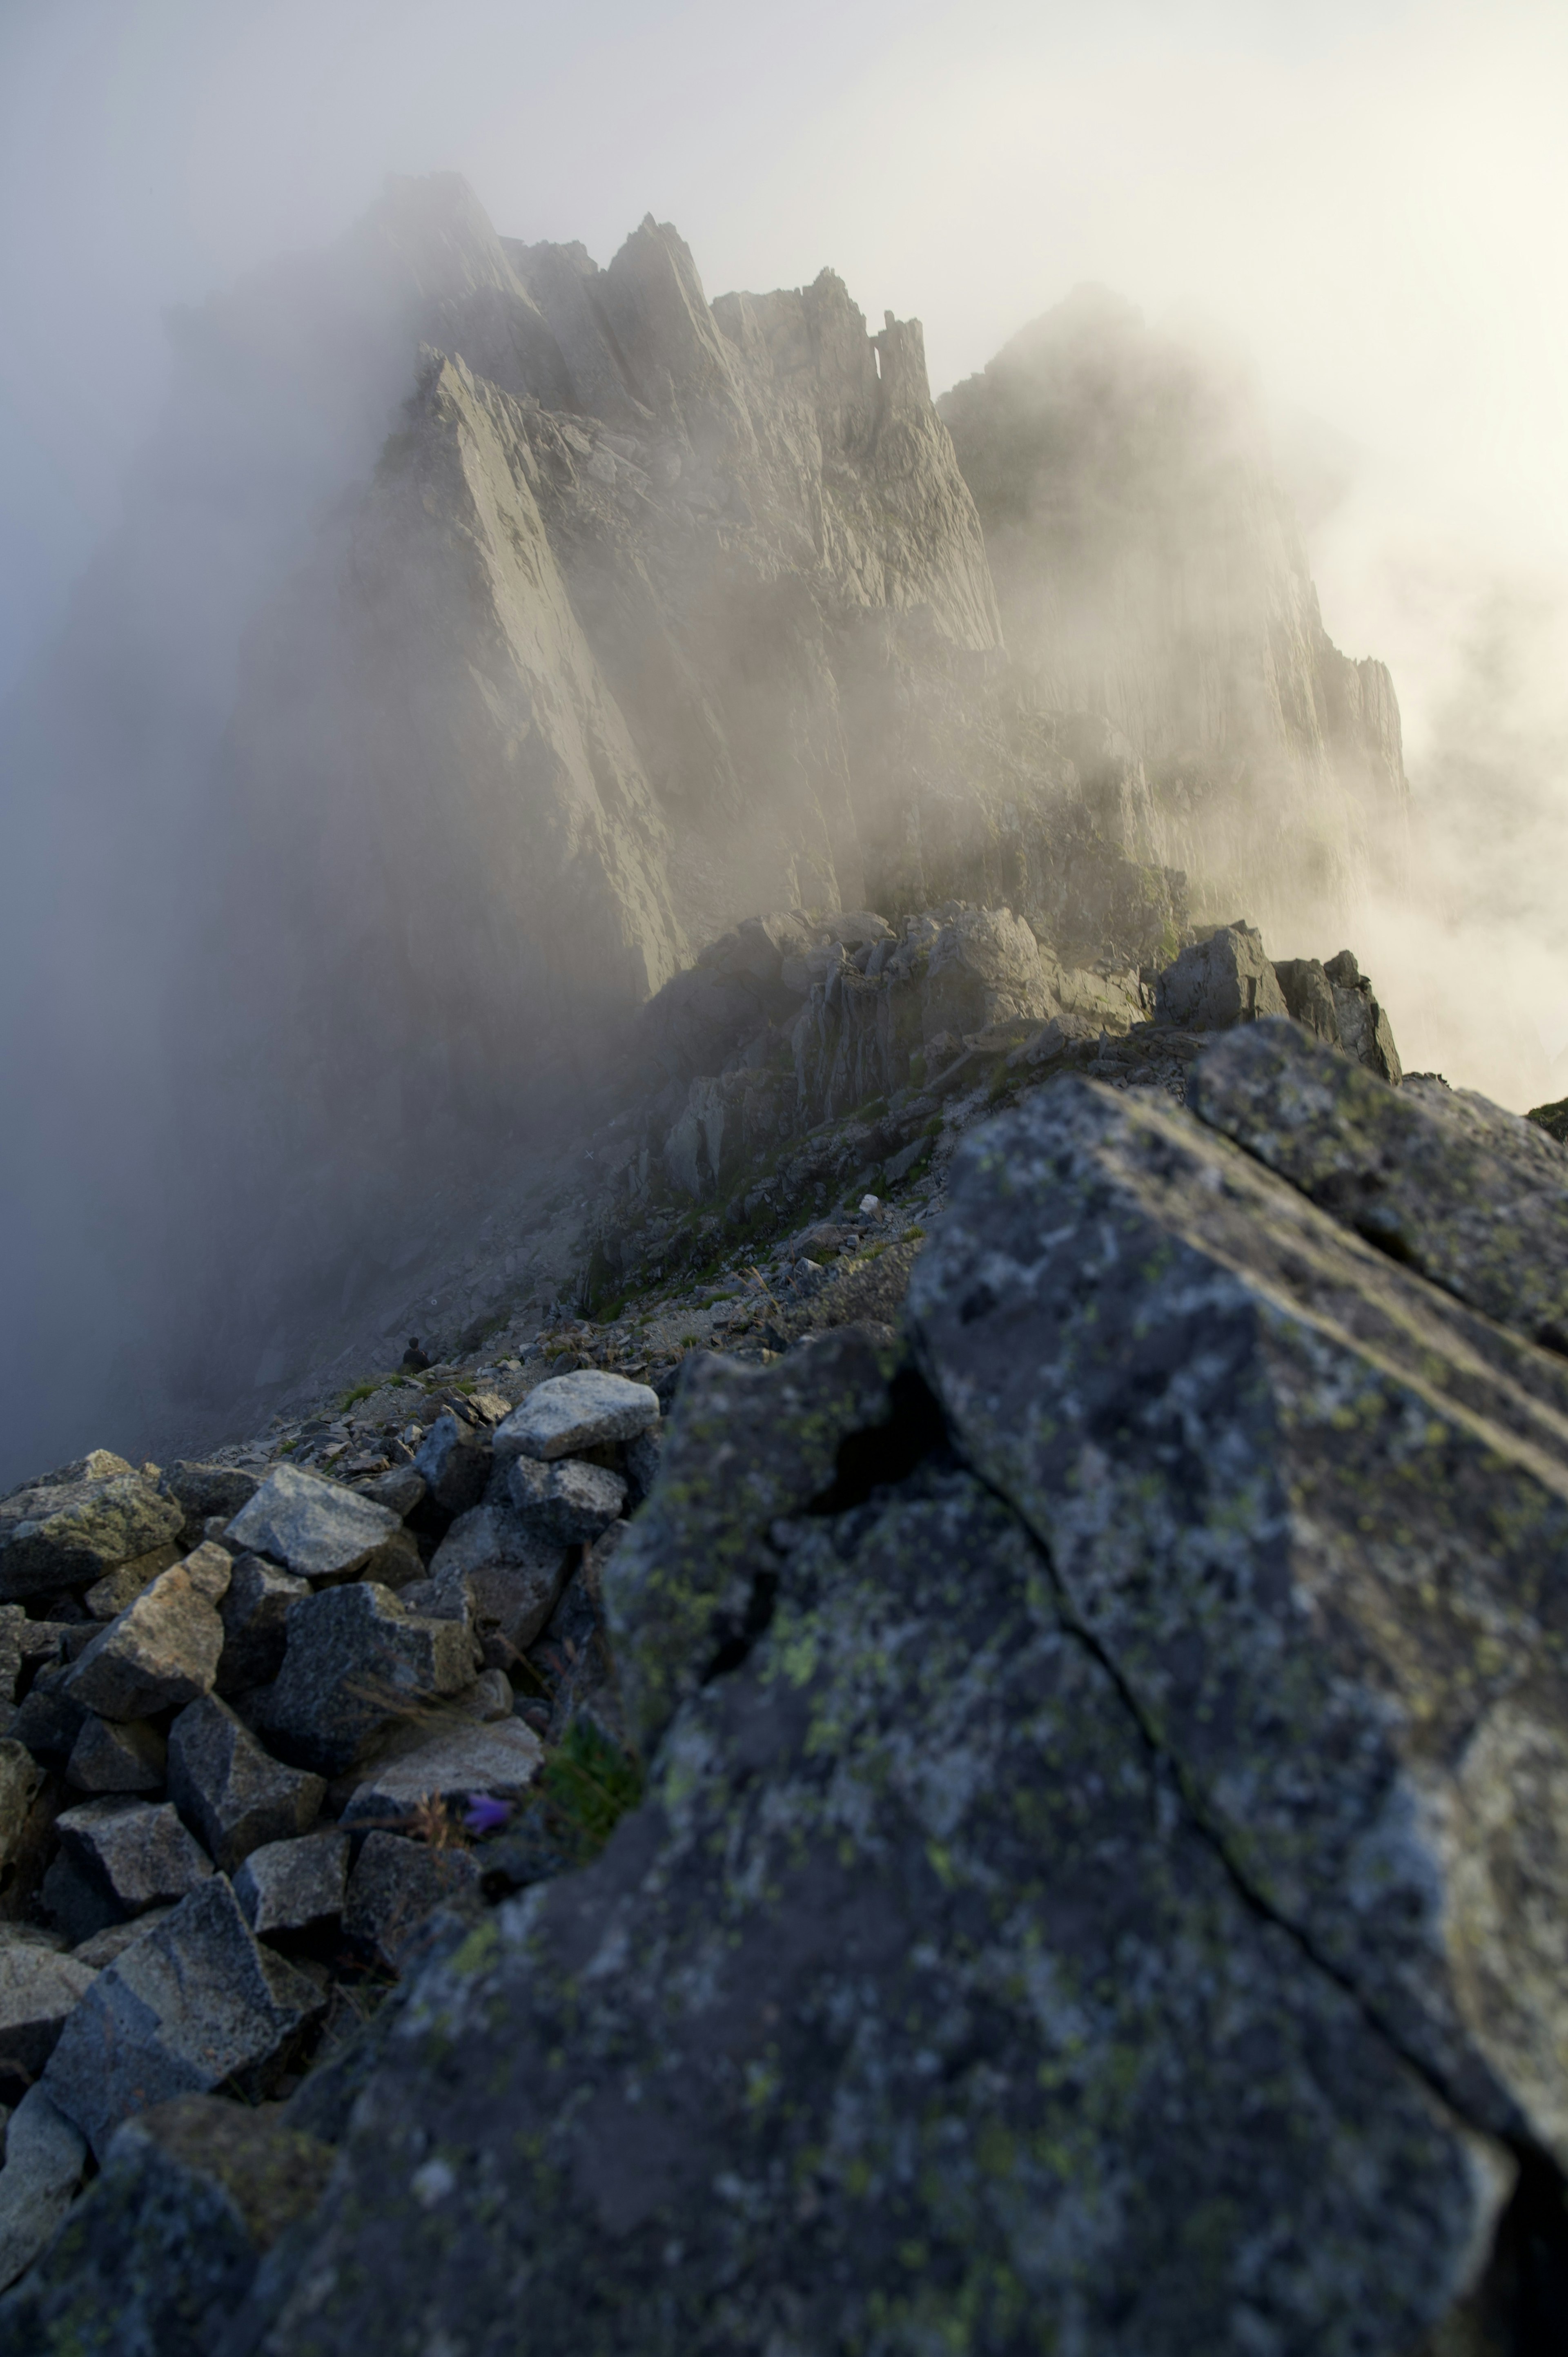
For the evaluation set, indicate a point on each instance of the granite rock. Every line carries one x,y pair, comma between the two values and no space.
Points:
567,1414
195,2003
163,1650
355,1660
254,1613
446,1763
39,1989
396,1885
67,1533
294,1886
117,1756
500,1569
454,1459
134,1854
233,1793
1216,983
1314,1512
45,2158
313,1527
566,1502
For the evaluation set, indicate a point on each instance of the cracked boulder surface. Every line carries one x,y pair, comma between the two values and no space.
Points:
1313,1513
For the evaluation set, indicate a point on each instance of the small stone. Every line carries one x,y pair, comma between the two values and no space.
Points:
446,1764
395,1885
108,1597
65,1535
454,1459
294,1886
234,1793
567,1503
204,1491
400,1490
193,2004
503,1571
162,1651
48,1723
115,1938
135,1853
45,2156
254,1613
117,1756
38,1988
315,1528
355,1659
566,1415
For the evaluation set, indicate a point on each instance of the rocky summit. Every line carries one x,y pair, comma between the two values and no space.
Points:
979,1761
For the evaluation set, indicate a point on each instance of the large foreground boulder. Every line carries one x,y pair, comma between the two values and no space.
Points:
917,2009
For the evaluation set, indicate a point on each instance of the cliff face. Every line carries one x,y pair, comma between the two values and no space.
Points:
1150,567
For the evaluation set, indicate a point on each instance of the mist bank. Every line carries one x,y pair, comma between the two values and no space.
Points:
487,632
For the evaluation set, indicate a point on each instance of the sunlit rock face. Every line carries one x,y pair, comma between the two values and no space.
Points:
1149,565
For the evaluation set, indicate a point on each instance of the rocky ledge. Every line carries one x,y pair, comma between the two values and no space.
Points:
1028,1807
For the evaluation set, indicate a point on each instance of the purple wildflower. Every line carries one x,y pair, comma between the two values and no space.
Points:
486,1814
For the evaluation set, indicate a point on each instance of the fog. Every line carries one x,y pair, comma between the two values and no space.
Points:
1368,201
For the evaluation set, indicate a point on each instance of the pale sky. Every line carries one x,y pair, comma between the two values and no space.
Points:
1372,198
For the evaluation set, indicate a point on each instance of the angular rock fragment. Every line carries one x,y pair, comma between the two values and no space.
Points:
45,2158
231,1790
454,1459
567,1415
38,1988
315,1528
913,1884
395,1885
446,1764
294,1886
163,1650
108,1597
48,1722
70,1534
1475,1198
1224,980
745,1447
1365,1031
115,1938
195,2003
134,1855
1309,996
356,1660
503,1572
192,2196
203,1490
1314,1513
643,1457
254,1613
401,1491
117,1756
567,1503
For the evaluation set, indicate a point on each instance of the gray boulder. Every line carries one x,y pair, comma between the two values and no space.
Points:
117,1756
643,1457
115,1938
108,1597
195,2003
67,1533
566,1503
232,1792
396,1885
1365,1031
915,2011
748,1446
354,1660
132,1854
254,1613
1224,980
1475,1198
38,1988
1309,996
45,2158
315,1528
201,1491
982,967
567,1414
502,1571
294,1886
447,1764
193,2195
1314,1515
163,1650
454,1459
